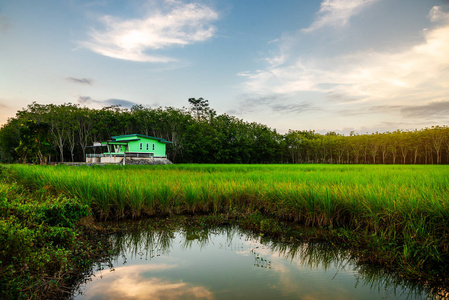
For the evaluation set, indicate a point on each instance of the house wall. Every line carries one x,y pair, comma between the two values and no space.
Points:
93,159
134,146
111,160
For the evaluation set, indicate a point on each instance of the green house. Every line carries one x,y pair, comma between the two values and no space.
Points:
135,145
131,146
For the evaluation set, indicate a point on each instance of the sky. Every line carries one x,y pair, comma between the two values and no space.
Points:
330,65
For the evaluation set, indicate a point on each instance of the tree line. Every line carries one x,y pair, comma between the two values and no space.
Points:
42,133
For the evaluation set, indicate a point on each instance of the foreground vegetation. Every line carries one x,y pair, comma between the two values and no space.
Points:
397,216
42,133
47,242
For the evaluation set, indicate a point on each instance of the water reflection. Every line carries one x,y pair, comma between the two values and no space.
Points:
132,282
224,263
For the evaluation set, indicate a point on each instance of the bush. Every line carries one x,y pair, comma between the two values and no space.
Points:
38,242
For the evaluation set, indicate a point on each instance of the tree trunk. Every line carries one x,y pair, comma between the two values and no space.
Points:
61,152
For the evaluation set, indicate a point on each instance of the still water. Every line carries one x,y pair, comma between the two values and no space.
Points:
228,263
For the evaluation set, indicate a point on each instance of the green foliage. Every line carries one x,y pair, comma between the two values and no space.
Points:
9,141
40,246
200,109
34,141
63,213
199,135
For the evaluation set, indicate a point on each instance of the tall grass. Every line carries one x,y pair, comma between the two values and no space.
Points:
406,205
324,195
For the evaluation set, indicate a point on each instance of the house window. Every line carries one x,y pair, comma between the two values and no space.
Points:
147,146
141,146
153,146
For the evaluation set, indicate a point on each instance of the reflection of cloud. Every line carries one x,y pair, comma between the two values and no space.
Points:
178,24
129,282
86,100
337,13
296,277
80,80
301,276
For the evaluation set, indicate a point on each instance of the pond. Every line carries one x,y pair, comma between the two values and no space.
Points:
229,263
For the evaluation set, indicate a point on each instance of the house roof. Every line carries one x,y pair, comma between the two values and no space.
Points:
129,137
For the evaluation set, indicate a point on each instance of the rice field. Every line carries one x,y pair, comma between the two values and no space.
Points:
401,207
323,195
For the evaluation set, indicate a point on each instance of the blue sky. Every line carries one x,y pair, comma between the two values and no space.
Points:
330,65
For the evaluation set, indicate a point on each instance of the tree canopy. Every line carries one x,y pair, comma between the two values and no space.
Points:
41,133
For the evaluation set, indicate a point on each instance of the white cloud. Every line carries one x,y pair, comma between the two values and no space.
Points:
416,75
337,13
438,14
178,24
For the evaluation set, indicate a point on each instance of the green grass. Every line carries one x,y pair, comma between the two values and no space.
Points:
402,212
314,194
